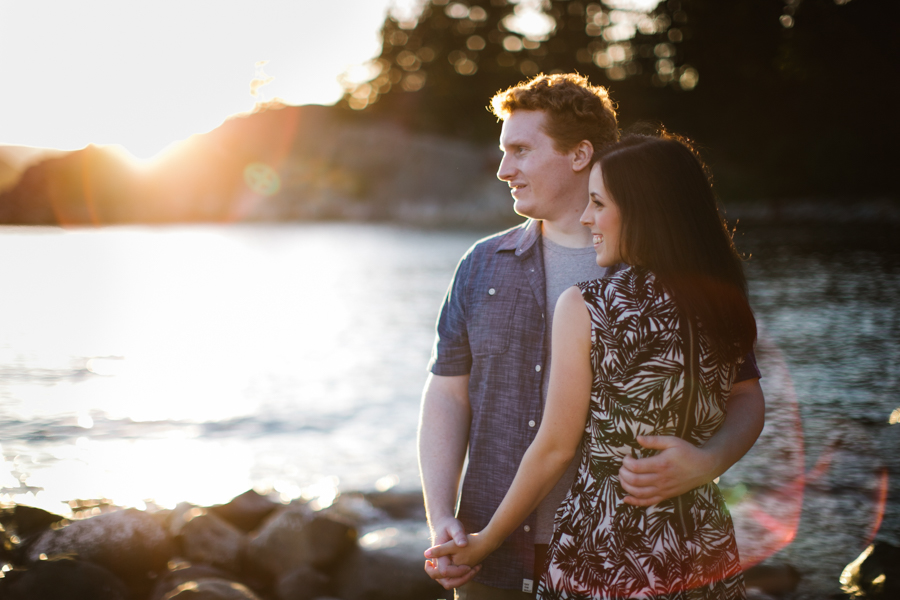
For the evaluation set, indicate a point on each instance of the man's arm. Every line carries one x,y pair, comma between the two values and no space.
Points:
681,466
442,443
557,439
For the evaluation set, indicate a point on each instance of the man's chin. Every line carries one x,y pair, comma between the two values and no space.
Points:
524,209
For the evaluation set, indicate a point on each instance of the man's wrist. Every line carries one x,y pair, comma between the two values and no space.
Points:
440,524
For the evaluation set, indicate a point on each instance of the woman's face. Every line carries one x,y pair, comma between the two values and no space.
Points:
604,220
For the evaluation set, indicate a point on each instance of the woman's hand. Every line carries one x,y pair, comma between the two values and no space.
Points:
472,554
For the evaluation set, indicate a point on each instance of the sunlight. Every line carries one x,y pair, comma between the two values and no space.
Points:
530,21
146,75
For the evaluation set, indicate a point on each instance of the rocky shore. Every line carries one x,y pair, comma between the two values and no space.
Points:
361,547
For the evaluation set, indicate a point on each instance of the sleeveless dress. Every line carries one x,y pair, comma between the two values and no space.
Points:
679,549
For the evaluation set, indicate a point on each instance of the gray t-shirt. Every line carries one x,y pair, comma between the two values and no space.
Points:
563,267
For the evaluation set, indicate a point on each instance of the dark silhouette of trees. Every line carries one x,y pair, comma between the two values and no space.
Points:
789,97
440,73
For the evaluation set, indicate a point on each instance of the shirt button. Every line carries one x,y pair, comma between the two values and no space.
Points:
531,423
492,291
527,528
537,368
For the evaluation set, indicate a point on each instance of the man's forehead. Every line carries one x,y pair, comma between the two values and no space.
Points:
523,126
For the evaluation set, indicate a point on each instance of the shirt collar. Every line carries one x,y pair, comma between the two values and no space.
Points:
523,239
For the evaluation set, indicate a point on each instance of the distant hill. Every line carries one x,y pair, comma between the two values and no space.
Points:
280,163
15,159
8,175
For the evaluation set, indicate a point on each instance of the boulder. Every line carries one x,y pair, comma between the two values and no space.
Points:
182,572
130,543
26,520
356,509
211,589
874,574
19,526
205,538
302,583
62,578
399,505
246,511
773,580
389,565
296,537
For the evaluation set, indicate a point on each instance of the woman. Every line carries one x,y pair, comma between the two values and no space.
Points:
651,350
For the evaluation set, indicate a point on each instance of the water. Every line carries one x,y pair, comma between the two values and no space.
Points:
192,363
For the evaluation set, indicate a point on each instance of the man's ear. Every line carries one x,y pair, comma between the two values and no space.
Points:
581,155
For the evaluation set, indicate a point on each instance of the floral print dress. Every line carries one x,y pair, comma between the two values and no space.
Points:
680,549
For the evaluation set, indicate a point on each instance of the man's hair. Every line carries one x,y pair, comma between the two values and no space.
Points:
671,226
576,110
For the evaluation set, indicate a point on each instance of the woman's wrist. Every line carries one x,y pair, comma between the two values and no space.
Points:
489,538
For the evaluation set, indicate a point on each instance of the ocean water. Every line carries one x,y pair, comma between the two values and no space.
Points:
153,365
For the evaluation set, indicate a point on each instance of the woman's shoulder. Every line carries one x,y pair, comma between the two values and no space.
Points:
628,285
624,279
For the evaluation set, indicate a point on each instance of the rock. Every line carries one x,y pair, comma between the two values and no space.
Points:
62,578
356,509
182,573
246,511
302,583
874,574
130,543
389,565
19,526
757,594
399,505
211,589
773,580
26,520
295,537
205,538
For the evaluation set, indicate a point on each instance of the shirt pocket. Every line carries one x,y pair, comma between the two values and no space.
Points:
490,325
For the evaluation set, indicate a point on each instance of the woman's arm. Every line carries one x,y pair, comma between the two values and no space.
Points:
546,459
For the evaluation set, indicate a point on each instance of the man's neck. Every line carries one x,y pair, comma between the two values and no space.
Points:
569,233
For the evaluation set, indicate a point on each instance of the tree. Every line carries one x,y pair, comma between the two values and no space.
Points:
791,97
439,72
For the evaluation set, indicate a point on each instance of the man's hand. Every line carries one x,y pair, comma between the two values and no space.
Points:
678,468
681,466
442,569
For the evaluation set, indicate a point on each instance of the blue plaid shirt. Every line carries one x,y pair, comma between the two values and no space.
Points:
492,328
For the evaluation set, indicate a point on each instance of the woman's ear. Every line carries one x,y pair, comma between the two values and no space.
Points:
582,155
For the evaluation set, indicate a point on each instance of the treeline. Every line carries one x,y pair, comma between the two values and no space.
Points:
790,98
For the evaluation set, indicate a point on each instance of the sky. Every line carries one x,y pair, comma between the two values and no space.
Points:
146,73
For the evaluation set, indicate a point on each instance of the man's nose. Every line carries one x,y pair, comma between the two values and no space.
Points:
505,172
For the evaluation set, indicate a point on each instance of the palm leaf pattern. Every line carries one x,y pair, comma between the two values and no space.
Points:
603,548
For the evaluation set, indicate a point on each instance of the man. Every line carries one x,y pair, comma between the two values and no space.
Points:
485,394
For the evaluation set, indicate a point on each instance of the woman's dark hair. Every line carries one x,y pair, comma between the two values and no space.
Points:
671,226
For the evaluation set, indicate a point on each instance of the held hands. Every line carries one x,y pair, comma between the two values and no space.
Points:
678,468
441,568
473,552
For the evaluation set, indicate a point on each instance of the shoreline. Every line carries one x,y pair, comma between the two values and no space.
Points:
363,546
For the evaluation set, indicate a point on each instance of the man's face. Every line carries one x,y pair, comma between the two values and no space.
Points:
543,181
